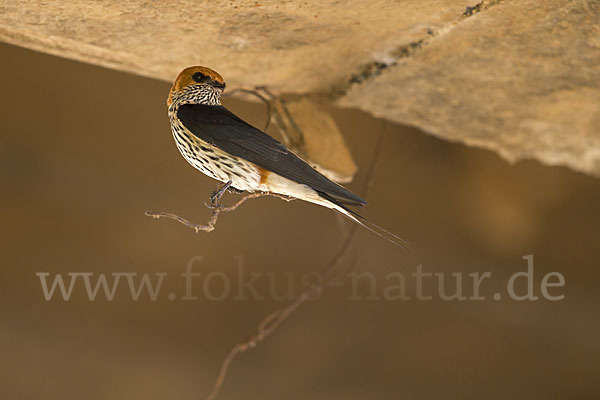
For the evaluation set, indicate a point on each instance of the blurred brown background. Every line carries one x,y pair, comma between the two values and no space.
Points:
85,151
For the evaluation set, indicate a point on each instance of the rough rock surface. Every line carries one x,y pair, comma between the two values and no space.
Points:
519,77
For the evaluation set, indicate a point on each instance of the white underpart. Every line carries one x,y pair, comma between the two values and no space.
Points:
278,184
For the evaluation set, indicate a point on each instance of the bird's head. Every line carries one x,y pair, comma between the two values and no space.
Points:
197,83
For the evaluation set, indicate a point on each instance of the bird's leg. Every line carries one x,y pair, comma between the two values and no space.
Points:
217,194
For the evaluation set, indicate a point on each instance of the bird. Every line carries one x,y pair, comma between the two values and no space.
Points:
244,158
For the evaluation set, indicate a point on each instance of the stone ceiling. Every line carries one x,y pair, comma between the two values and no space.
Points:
521,78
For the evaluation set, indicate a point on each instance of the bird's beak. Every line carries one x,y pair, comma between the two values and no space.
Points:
217,85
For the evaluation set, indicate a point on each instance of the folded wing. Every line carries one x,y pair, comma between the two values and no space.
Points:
221,128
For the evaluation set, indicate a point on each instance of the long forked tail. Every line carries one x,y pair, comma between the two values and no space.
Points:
365,223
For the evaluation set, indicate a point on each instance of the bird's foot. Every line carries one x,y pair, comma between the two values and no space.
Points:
217,194
235,190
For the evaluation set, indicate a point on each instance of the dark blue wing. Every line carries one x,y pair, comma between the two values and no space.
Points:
221,128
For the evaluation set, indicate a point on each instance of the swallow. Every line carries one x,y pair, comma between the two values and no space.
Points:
244,158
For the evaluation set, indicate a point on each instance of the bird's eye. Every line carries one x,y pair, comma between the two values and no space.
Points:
200,77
